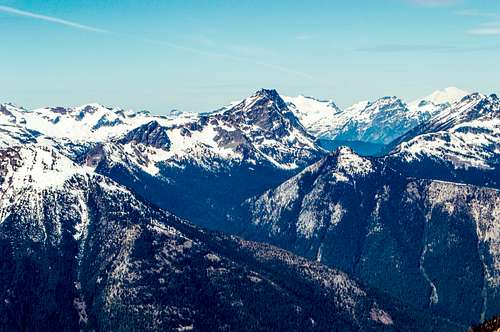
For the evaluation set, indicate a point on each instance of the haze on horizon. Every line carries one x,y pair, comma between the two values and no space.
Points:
198,56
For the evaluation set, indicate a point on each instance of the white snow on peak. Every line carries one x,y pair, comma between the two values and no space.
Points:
36,167
87,123
448,95
379,121
465,134
257,129
318,116
434,104
351,163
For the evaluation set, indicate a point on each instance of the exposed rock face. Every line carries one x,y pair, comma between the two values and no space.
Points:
430,244
150,134
81,252
264,125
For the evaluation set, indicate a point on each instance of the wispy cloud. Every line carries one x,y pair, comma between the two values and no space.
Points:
476,13
18,12
229,57
433,3
486,29
410,48
75,25
396,48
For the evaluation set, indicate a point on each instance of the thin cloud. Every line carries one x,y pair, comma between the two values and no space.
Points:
18,12
408,48
486,29
71,24
229,57
396,48
476,13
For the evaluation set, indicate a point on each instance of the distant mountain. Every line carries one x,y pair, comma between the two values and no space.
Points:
80,252
86,123
428,107
427,243
317,116
448,96
13,132
377,122
460,144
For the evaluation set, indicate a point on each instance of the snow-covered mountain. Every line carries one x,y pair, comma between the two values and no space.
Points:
13,132
176,159
204,165
430,244
448,95
465,138
260,128
317,116
379,122
86,123
437,102
80,252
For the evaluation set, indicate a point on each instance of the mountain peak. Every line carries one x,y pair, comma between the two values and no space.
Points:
301,96
92,108
268,93
265,96
387,101
343,150
448,95
310,105
151,133
316,115
343,164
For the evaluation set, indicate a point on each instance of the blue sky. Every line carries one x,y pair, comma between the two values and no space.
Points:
199,55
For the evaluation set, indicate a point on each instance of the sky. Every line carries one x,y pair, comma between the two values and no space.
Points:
200,55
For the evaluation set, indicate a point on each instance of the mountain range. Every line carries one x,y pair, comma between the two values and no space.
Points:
377,122
242,219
